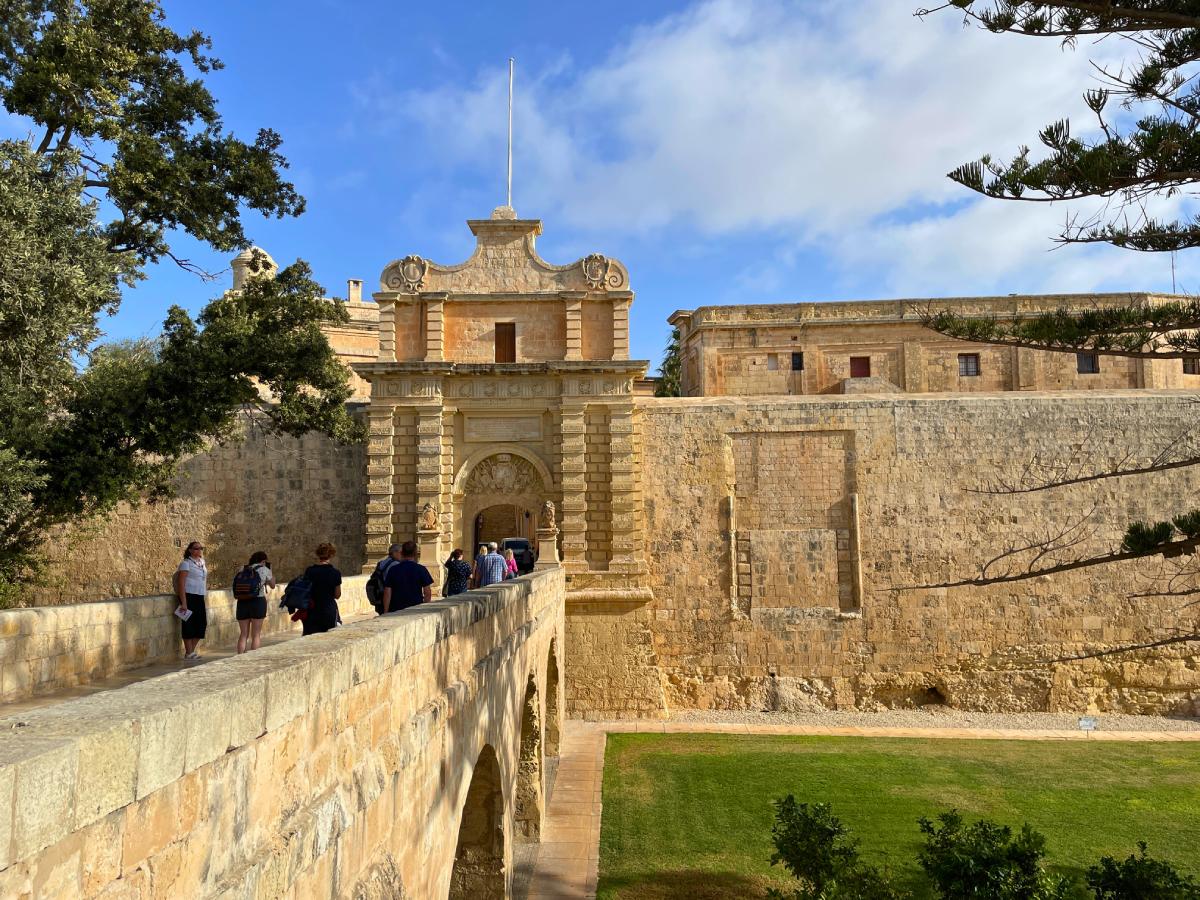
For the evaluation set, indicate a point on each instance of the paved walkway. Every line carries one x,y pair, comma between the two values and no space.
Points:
208,652
566,867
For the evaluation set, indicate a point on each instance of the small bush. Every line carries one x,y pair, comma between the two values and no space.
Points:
815,847
1140,877
984,859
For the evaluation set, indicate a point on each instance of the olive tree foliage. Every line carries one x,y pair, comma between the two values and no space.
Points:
125,149
1142,143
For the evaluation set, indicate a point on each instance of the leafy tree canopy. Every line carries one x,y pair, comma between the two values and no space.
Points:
670,373
123,123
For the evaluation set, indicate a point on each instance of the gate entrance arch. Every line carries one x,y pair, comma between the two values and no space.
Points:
500,489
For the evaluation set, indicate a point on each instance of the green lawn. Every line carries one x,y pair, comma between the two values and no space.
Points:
689,815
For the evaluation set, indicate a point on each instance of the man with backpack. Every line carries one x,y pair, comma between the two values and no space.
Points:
375,582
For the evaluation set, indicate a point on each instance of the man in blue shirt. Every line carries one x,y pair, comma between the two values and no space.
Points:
493,567
407,582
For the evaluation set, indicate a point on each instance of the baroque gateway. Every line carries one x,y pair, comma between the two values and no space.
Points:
779,539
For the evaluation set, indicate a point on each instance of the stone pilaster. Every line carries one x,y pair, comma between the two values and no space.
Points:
429,488
387,328
381,441
574,488
621,325
573,307
435,341
628,528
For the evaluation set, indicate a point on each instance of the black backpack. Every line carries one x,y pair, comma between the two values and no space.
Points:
375,583
246,584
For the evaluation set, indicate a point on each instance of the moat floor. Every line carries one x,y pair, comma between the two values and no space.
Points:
566,866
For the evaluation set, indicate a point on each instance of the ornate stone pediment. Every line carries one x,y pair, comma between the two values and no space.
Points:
504,473
505,262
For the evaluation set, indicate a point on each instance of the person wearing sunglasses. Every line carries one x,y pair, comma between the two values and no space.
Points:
191,584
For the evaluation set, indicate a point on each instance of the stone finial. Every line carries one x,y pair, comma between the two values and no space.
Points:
253,262
429,517
504,212
548,522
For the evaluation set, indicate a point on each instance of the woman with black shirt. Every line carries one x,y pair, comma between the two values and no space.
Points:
458,573
326,584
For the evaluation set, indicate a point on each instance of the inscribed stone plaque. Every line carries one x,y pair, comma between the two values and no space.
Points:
503,429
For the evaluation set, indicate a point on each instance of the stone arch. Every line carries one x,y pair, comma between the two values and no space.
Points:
553,729
468,466
527,807
478,872
501,475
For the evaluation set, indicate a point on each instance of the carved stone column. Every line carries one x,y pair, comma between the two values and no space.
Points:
574,488
387,327
620,324
628,530
381,440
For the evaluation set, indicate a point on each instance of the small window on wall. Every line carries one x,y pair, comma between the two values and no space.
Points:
860,367
772,362
1191,367
1087,363
506,342
798,362
968,365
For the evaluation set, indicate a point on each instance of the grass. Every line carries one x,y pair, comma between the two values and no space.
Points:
689,815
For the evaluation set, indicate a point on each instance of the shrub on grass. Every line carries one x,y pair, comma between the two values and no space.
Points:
815,847
1140,877
985,859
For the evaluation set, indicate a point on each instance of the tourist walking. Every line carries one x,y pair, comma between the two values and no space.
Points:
191,586
510,560
252,611
492,568
458,573
326,584
408,583
375,582
475,565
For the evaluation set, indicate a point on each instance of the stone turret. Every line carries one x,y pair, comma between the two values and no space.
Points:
252,263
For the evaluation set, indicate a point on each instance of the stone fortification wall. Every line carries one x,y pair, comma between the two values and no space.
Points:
278,494
49,648
783,533
338,765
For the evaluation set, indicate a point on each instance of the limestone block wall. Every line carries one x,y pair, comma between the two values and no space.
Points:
886,490
339,765
49,648
278,494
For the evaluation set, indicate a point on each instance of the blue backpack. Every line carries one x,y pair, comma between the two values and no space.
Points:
246,584
297,596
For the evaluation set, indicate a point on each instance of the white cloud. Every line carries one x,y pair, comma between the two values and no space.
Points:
829,126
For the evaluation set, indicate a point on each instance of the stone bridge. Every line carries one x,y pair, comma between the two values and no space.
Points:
401,756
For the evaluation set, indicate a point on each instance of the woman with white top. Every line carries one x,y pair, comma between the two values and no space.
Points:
191,584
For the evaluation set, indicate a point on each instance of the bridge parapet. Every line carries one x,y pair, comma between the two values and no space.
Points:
399,756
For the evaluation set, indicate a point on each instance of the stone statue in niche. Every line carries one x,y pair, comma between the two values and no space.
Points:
548,522
429,517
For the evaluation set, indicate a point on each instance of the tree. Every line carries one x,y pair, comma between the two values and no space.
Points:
1156,155
119,125
670,373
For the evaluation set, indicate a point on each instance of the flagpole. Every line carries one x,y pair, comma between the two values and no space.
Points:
511,63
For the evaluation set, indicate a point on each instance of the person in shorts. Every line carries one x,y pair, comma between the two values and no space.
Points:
191,586
408,583
252,613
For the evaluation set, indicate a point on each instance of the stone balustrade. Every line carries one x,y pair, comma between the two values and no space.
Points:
49,648
398,756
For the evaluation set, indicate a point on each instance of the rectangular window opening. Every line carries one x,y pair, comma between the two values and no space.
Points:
1087,363
968,365
772,362
506,342
798,362
1191,367
860,367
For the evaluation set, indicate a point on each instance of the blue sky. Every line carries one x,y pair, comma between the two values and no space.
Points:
725,151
